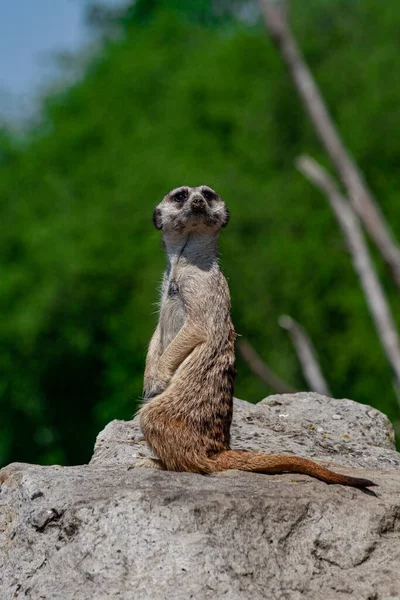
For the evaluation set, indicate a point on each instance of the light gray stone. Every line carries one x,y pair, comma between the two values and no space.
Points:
111,531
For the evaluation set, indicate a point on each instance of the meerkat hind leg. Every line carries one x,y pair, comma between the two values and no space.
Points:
149,463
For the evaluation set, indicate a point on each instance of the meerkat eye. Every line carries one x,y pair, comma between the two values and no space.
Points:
209,195
180,196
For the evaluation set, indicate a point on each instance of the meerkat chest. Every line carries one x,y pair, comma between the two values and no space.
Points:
172,314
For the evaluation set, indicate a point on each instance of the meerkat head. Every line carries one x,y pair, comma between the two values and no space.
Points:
186,209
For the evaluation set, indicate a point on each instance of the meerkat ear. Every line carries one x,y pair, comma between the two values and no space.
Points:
226,218
157,218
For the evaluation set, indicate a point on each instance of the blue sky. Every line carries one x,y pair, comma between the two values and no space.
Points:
30,32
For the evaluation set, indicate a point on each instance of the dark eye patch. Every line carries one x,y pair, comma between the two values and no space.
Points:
173,289
209,195
180,196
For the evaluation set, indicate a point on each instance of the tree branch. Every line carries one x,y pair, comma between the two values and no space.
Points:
307,355
360,197
261,370
362,262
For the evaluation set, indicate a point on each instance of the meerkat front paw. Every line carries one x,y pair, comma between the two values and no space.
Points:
157,387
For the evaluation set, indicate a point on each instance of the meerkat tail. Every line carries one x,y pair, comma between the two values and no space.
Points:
279,463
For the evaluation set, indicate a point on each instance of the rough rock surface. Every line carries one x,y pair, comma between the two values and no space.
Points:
109,530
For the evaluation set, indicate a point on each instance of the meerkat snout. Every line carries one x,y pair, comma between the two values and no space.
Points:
197,199
198,204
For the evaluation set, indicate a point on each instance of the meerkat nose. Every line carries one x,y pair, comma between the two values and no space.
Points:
198,203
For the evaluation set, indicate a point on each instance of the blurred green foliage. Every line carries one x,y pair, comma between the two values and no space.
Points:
188,97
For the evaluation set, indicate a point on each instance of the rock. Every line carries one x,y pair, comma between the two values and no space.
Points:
108,530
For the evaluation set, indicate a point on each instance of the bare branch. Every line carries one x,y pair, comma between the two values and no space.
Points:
261,370
276,17
307,355
362,262
359,195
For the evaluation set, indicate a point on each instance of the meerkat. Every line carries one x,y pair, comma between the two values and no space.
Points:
190,366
